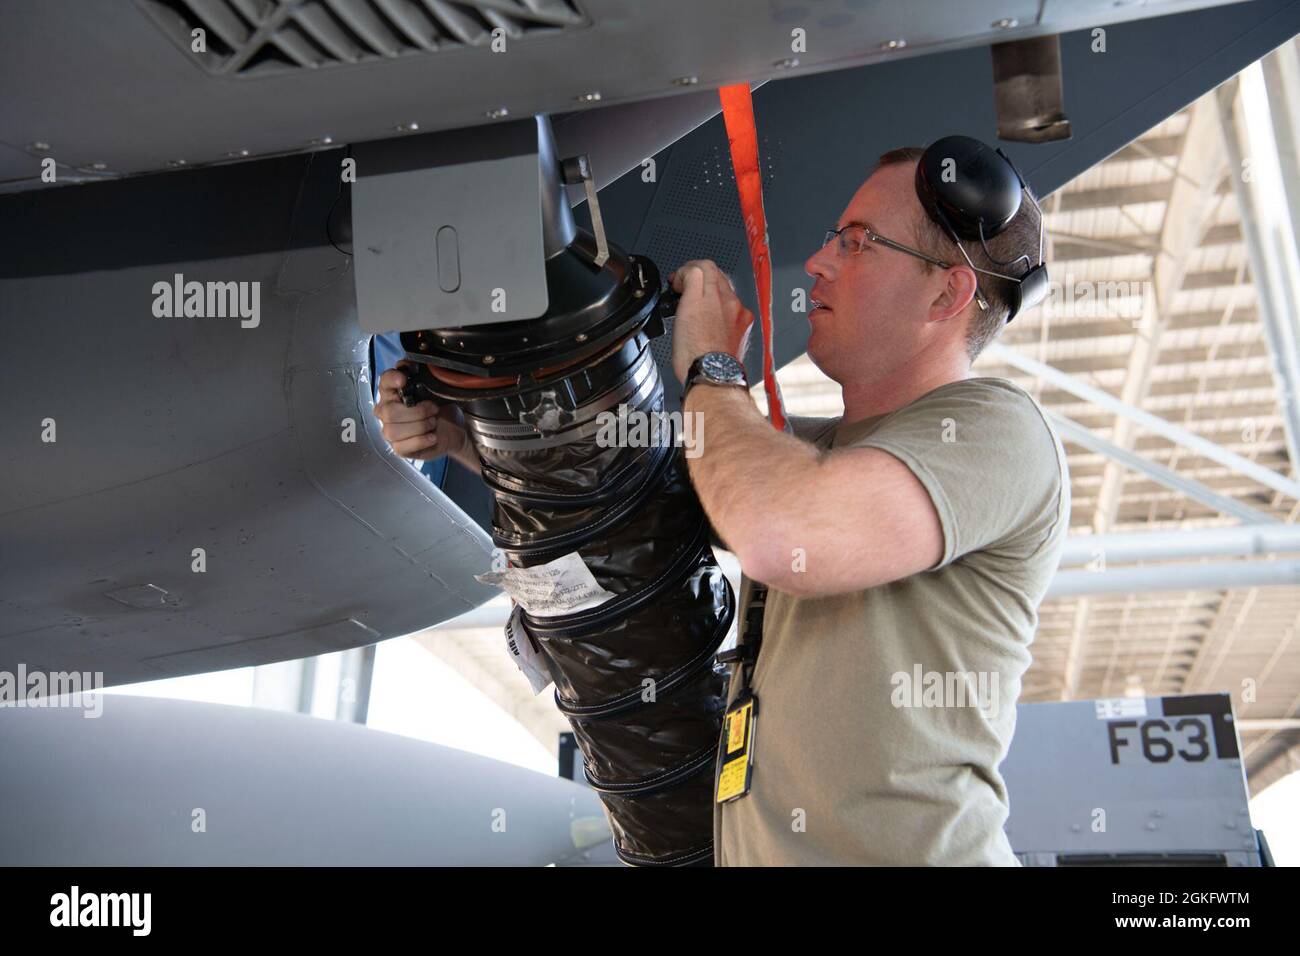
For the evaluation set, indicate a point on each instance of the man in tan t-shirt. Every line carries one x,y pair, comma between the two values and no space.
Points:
906,546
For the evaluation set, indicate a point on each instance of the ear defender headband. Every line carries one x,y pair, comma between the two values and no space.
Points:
974,193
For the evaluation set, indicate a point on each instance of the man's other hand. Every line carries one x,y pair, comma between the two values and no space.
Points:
423,432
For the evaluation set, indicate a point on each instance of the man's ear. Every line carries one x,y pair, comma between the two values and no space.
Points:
956,293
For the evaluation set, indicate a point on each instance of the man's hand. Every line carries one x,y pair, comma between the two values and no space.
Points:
709,316
424,432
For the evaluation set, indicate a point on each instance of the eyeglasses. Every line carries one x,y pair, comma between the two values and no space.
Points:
854,237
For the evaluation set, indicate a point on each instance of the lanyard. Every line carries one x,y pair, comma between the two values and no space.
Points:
749,637
735,774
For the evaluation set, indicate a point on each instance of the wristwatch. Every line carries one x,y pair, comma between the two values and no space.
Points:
715,368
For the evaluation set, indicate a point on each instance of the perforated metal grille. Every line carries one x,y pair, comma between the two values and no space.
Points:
668,248
244,37
706,189
702,190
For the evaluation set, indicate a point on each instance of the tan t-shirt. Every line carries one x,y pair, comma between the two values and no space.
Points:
884,713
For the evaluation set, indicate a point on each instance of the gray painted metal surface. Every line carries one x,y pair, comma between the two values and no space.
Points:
102,83
154,782
1146,778
183,433
447,229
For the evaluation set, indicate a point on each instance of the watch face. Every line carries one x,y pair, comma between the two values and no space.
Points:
722,367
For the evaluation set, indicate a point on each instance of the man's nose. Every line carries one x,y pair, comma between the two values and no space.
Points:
820,264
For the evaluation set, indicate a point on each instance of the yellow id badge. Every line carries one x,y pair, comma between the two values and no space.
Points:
736,766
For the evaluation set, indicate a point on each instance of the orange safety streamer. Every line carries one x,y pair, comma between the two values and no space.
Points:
738,113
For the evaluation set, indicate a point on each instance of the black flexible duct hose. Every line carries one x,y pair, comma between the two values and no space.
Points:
635,676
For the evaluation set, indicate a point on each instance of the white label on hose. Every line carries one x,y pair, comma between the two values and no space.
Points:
525,657
557,587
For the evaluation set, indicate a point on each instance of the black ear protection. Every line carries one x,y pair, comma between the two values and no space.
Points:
973,192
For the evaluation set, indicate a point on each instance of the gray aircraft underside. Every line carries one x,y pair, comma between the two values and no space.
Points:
153,782
177,434
177,437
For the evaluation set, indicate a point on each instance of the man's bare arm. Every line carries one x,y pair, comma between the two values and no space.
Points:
464,453
803,521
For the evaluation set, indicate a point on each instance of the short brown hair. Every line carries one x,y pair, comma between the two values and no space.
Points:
1020,238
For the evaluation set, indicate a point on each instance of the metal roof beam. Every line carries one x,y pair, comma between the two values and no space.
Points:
1224,576
1240,541
1191,204
1075,248
1248,134
1080,435
1105,197
1153,423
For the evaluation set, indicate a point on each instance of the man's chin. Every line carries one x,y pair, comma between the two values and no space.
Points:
815,353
